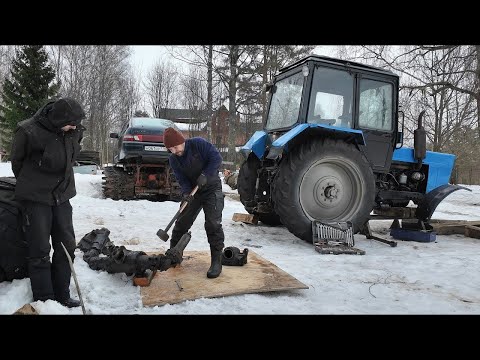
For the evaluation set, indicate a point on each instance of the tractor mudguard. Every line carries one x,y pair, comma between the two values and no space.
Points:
427,207
256,144
279,144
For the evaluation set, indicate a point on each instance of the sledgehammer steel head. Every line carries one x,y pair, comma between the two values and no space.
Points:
162,235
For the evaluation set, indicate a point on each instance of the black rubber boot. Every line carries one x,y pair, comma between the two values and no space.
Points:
40,278
70,303
216,264
173,243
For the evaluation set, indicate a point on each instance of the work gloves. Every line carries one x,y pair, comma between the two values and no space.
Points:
201,181
187,198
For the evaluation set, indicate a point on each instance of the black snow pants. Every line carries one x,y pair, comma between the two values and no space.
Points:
212,202
49,279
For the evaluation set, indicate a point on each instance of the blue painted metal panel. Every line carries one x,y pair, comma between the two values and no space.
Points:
440,165
285,138
413,235
256,144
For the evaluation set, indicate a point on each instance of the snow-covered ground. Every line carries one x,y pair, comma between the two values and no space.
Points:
441,277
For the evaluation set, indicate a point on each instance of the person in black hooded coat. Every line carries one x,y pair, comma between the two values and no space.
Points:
44,150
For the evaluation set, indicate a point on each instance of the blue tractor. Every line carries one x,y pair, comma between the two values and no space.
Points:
332,150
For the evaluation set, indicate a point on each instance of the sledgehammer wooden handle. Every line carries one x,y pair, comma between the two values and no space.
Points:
162,234
184,205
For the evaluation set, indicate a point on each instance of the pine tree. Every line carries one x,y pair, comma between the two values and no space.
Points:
27,89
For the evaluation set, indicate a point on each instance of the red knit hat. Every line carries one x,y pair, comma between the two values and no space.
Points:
172,137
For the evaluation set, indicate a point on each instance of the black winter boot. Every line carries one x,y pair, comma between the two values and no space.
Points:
70,303
216,263
173,243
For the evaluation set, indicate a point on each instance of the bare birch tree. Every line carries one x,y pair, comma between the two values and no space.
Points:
75,72
205,58
194,94
438,78
108,70
161,88
7,53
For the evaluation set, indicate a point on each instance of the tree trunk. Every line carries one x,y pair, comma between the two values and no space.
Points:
209,92
232,95
477,48
266,57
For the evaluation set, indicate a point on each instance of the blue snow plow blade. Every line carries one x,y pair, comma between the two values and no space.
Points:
440,165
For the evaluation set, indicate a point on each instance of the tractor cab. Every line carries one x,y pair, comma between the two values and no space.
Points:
338,97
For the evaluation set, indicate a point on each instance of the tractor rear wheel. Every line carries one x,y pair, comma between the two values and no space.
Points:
247,178
325,180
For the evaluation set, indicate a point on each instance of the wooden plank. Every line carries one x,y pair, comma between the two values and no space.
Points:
232,196
246,218
472,231
448,227
189,281
455,222
146,280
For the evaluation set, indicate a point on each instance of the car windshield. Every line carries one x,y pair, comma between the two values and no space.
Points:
285,102
151,123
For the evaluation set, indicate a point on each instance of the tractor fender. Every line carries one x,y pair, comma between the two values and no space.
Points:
427,207
255,144
280,144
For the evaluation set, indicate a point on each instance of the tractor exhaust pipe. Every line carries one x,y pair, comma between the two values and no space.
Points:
420,142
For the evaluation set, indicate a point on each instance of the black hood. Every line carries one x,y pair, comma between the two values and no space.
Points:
64,111
57,113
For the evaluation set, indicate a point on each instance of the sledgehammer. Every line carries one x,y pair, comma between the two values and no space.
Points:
162,234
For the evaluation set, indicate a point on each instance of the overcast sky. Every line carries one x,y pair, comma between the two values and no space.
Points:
145,56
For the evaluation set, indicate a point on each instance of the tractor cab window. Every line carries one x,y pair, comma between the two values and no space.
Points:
331,99
376,105
285,102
